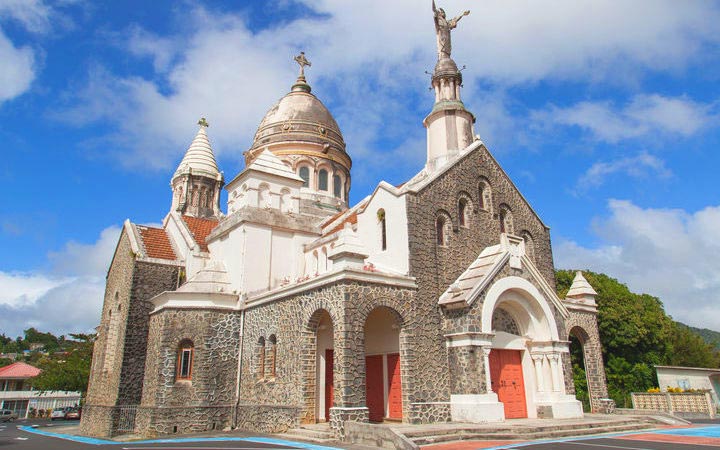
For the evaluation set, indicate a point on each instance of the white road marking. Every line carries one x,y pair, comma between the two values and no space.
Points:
21,439
610,446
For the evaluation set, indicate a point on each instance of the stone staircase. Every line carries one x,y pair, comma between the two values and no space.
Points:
428,435
317,432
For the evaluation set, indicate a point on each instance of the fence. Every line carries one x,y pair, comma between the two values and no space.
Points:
126,418
695,403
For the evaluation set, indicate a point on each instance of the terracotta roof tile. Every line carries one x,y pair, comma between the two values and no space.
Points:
352,219
19,370
200,228
156,243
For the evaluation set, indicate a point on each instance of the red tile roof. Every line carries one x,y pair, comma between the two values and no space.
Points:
19,370
352,219
156,242
200,228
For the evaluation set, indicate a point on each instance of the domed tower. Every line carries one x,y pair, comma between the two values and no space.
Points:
197,181
300,131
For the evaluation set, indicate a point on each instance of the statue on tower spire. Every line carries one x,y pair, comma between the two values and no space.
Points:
302,61
442,29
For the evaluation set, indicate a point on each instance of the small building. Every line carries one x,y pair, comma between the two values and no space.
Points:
690,378
17,393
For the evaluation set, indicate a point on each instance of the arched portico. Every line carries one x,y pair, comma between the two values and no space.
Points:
383,378
318,367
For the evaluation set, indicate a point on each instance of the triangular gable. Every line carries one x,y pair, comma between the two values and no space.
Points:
483,271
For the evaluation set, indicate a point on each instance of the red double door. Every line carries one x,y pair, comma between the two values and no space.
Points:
507,381
375,388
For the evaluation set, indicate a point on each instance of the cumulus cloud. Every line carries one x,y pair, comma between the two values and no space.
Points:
363,51
643,165
643,116
65,299
669,253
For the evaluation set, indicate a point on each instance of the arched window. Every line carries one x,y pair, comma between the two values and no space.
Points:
304,173
285,205
186,352
272,355
323,180
529,244
440,232
464,210
506,220
261,358
383,229
484,195
337,186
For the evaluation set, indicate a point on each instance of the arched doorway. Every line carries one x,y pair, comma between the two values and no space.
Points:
319,367
383,387
578,337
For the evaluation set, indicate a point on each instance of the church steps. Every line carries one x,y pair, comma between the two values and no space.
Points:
309,433
436,436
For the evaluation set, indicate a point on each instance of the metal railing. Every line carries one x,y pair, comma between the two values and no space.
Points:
126,418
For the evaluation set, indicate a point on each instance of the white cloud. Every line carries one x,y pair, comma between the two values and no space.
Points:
643,116
643,165
33,15
367,53
18,69
68,298
669,253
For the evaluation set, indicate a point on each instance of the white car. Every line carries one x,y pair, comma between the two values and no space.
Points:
7,415
60,413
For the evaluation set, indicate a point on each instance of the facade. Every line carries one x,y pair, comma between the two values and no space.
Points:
17,393
432,301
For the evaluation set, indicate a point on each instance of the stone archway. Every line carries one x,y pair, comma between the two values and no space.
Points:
383,378
318,367
583,326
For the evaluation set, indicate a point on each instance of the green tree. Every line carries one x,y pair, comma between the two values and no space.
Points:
69,371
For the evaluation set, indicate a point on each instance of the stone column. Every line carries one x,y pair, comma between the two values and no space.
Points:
554,374
538,363
486,362
349,399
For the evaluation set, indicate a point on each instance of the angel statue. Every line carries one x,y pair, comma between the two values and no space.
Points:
442,28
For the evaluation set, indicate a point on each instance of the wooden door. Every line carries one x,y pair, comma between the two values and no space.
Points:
329,390
507,381
394,386
374,391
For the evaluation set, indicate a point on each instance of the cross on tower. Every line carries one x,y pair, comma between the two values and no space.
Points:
203,123
302,61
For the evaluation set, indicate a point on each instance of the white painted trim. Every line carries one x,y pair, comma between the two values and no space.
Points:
549,291
515,283
489,277
194,300
130,230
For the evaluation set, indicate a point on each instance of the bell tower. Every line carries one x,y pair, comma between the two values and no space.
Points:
197,181
449,125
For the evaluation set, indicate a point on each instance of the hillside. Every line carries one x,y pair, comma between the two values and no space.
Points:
709,336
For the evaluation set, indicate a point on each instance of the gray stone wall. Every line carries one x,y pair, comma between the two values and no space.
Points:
207,400
437,266
583,325
294,320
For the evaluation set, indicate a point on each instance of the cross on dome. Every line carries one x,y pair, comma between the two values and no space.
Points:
302,61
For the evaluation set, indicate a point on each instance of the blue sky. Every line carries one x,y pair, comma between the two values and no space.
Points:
605,114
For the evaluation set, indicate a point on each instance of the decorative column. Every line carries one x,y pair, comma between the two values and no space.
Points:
486,362
538,363
553,358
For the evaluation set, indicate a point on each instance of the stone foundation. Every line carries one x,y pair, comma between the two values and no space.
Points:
183,420
97,421
268,418
338,417
429,412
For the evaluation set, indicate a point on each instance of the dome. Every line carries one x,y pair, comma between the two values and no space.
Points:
299,118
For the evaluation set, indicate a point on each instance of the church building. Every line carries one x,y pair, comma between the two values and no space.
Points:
431,301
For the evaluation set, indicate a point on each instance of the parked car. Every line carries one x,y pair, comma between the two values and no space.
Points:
73,414
60,413
7,415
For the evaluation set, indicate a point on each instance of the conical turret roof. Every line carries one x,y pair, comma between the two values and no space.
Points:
199,158
580,287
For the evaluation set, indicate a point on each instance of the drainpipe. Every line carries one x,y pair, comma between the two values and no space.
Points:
239,366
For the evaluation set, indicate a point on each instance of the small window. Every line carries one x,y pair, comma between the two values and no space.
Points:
506,220
323,180
462,212
272,355
484,195
383,229
337,186
261,358
304,173
440,230
185,361
529,244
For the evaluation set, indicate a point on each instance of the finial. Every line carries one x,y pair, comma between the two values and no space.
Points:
302,61
203,123
300,84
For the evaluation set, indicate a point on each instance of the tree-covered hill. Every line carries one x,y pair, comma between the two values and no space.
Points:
636,335
709,336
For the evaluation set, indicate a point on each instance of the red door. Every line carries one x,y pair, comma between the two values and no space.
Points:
329,391
394,386
507,381
374,387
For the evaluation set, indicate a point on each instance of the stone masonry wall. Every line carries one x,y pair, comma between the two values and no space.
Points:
206,401
437,266
107,353
294,322
583,325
